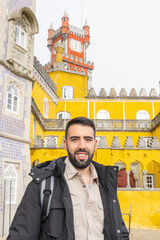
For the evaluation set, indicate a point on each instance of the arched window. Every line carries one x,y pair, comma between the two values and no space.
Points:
142,115
12,98
103,114
10,176
45,108
63,115
67,92
20,35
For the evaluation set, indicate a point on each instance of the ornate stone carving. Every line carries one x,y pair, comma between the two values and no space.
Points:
101,142
129,143
120,165
116,143
143,93
102,93
51,142
153,93
155,143
123,92
141,143
112,93
92,93
38,143
133,93
62,143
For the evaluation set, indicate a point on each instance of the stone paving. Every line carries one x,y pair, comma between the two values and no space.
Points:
144,234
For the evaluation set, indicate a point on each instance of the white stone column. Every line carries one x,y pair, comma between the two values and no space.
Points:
144,178
128,179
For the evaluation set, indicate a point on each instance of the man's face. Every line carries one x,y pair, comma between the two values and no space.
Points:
81,145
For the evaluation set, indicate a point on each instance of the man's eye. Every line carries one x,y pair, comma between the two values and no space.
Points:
88,139
74,139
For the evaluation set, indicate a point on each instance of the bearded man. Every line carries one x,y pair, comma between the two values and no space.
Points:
84,204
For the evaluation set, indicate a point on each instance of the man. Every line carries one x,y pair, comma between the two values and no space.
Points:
84,204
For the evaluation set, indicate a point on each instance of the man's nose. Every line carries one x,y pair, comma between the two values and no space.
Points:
82,144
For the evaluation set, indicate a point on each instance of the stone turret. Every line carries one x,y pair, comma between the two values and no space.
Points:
50,36
86,34
65,27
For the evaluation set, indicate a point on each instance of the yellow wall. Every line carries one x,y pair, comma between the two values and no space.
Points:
145,208
79,83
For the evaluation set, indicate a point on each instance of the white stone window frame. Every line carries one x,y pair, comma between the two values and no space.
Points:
12,99
20,36
142,115
103,114
67,92
23,22
65,115
150,180
11,178
45,107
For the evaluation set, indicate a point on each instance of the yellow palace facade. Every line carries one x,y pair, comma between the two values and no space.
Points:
128,126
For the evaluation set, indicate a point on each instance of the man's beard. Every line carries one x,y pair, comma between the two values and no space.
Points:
81,164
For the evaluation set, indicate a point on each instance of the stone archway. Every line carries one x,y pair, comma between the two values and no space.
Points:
135,169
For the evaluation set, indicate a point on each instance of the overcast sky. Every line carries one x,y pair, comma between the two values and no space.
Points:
125,39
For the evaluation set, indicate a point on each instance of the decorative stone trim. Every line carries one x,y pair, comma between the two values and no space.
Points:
123,94
44,80
62,143
37,114
141,143
38,142
15,138
30,15
143,92
13,70
102,93
129,143
116,143
133,93
92,93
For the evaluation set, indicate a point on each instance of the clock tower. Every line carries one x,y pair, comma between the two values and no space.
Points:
74,42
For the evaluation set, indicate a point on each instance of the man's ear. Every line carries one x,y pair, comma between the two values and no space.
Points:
65,144
96,142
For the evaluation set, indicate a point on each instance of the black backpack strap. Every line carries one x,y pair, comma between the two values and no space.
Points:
47,187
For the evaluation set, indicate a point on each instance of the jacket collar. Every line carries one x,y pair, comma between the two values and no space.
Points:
107,175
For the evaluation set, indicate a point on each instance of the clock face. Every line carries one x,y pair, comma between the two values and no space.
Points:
75,45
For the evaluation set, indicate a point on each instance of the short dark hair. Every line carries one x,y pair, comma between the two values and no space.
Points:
82,121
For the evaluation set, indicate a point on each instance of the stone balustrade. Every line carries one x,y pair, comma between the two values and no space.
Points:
103,125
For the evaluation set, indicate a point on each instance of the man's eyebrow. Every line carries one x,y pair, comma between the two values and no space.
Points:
88,137
74,137
79,137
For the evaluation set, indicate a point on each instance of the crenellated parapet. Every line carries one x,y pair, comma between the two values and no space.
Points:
123,94
54,66
44,80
